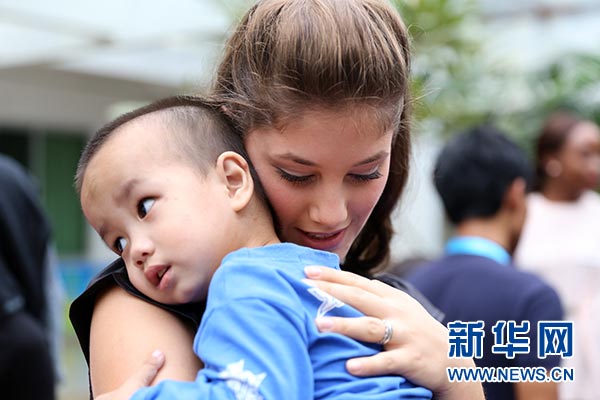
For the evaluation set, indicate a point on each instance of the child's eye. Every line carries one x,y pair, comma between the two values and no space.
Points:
144,206
120,244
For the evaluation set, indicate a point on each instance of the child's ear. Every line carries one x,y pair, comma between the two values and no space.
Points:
235,174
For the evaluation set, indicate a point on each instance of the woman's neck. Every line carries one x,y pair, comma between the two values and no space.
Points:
561,192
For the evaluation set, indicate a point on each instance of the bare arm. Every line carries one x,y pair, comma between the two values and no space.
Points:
143,377
536,391
126,330
419,346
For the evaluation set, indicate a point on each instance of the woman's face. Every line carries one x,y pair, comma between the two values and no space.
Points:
580,156
323,174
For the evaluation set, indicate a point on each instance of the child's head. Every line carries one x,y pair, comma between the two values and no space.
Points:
166,188
294,61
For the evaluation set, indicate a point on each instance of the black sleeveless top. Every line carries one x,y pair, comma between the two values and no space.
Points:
80,312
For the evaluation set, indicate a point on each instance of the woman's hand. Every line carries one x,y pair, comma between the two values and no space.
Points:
418,348
143,377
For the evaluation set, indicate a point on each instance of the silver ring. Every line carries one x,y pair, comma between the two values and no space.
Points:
389,332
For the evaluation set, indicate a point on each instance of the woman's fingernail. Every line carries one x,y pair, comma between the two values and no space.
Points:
324,323
354,366
157,354
312,271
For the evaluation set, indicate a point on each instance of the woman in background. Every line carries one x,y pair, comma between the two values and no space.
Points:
561,237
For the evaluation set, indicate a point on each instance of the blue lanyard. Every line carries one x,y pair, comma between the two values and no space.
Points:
477,246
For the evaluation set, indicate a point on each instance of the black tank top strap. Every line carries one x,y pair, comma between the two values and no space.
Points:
82,308
400,284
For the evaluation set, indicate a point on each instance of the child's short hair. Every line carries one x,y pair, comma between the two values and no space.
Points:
197,133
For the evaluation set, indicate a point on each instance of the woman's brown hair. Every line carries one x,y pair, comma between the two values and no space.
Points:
291,56
552,138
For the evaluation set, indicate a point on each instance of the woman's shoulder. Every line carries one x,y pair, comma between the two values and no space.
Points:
111,290
118,342
82,308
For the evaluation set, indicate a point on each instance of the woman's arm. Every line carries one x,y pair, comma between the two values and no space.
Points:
125,330
418,349
143,377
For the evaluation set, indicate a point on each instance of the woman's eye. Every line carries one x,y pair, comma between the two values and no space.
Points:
120,244
144,206
295,179
366,177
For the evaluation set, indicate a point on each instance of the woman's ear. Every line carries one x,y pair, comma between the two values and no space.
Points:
553,168
234,171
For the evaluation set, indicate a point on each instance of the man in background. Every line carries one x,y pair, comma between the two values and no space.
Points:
482,178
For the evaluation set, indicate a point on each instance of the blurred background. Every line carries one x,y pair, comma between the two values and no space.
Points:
67,67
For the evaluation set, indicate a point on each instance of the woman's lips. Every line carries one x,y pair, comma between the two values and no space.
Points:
323,240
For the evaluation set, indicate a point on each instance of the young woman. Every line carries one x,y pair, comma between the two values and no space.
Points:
319,91
561,236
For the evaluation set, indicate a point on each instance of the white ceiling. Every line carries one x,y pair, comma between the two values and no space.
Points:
175,43
162,42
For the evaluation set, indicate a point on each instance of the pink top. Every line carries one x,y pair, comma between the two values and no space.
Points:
561,243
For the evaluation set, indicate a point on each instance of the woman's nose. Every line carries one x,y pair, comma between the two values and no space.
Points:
329,209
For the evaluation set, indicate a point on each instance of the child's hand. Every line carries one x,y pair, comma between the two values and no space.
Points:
143,377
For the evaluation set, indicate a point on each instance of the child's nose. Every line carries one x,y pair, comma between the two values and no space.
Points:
141,249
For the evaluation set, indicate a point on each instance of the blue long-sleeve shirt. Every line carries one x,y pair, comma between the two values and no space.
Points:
258,338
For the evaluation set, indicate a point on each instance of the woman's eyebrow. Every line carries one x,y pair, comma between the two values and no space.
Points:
376,157
299,160
296,159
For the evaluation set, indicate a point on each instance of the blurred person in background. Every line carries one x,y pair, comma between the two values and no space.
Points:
482,178
561,238
30,306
